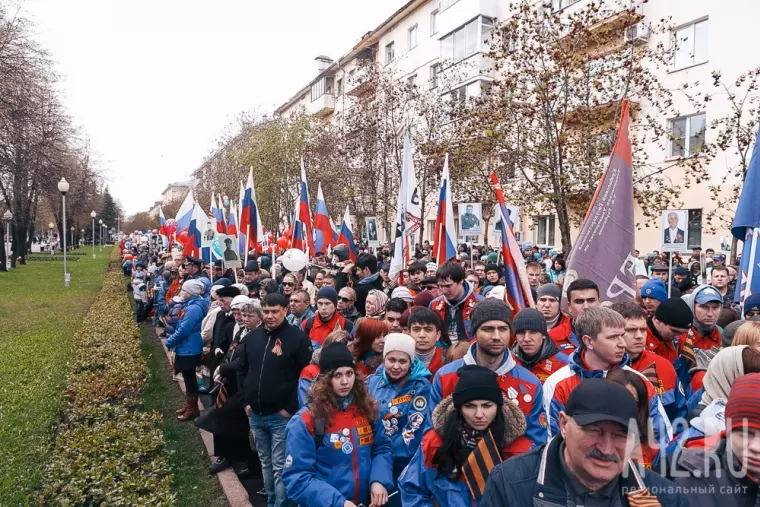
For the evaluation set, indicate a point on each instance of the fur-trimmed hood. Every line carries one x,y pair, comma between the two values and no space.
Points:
514,419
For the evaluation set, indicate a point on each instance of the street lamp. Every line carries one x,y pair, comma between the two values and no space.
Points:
71,245
93,215
63,187
101,234
8,216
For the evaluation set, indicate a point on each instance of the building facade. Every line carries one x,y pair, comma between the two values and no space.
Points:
423,35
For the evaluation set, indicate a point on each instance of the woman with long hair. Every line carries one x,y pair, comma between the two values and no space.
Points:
401,386
477,412
369,337
337,452
310,373
558,269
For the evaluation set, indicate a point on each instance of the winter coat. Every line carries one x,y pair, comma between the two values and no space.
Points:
403,411
175,314
537,478
517,383
421,484
318,330
548,360
207,328
350,455
563,335
186,339
710,481
361,288
460,312
268,371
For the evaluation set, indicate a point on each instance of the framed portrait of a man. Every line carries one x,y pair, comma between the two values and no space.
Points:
373,239
208,233
470,219
230,256
675,230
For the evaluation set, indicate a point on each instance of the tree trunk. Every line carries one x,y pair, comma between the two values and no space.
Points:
734,244
564,226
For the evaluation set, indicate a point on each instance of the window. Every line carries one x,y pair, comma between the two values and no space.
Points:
434,22
459,95
434,76
411,81
687,135
412,37
431,230
690,45
544,228
445,4
317,89
390,52
695,228
466,41
561,4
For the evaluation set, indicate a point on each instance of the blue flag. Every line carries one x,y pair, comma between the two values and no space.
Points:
746,227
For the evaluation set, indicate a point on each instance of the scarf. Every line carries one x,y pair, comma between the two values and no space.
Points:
724,368
372,360
469,437
548,349
343,402
382,300
550,323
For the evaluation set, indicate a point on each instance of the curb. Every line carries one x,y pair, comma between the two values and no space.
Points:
236,494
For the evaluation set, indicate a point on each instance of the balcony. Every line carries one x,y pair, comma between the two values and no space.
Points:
463,11
475,67
606,35
359,82
323,106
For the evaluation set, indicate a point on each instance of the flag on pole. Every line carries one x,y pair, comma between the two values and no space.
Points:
413,211
192,245
221,212
250,220
232,229
518,291
398,258
185,213
346,236
303,237
746,227
444,248
603,250
242,239
323,228
162,228
217,214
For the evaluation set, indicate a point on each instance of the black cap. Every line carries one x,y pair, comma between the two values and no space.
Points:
680,271
660,267
429,280
335,355
218,263
530,319
251,266
227,292
598,399
674,312
477,383
266,262
193,260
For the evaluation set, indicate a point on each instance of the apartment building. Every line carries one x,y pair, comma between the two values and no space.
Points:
175,191
423,33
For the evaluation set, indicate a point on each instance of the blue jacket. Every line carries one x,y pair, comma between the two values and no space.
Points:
536,478
352,454
186,339
403,412
175,315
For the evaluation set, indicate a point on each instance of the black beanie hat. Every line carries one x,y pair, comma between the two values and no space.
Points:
674,312
493,267
477,383
530,319
335,355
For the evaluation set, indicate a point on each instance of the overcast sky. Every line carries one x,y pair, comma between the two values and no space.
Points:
155,83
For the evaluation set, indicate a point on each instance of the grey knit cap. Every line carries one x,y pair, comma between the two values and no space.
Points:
550,289
530,319
489,309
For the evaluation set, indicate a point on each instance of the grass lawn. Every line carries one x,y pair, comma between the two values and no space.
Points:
38,319
187,455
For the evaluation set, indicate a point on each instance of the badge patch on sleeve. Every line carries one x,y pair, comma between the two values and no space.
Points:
364,430
366,440
402,399
289,461
419,403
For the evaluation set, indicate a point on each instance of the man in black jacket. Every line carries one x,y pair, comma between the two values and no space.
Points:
586,465
365,270
268,372
224,325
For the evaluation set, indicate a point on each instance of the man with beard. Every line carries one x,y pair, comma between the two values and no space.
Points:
491,327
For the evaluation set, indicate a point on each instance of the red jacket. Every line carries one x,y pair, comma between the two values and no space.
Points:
666,348
661,373
437,362
320,330
562,335
544,368
701,341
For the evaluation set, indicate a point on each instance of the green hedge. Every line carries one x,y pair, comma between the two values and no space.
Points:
108,451
56,258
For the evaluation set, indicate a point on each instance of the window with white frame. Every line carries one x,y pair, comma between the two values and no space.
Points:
412,37
390,52
466,40
544,231
434,22
690,45
561,4
445,4
687,135
433,76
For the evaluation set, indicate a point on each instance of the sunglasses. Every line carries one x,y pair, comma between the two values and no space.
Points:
345,300
288,284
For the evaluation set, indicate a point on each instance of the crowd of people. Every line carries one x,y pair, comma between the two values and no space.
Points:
431,390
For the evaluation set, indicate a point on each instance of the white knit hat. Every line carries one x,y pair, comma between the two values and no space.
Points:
194,287
399,342
404,293
239,301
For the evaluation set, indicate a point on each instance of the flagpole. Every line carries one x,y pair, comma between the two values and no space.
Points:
247,235
670,273
751,269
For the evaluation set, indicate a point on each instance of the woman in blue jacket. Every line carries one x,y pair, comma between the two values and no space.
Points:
337,452
188,344
401,386
477,410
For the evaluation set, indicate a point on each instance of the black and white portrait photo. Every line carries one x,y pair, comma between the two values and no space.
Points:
674,230
371,224
470,219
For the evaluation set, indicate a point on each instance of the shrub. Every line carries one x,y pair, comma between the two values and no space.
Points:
108,450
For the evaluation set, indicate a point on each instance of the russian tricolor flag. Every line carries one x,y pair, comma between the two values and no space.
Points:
192,245
250,219
162,227
303,237
323,227
185,213
346,237
444,247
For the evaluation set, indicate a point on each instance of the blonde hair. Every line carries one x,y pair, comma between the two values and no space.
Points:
747,334
348,290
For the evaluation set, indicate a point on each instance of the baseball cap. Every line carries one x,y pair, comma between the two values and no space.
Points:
660,267
597,399
719,257
707,295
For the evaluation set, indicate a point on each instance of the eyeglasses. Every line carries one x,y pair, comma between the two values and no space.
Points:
346,300
288,284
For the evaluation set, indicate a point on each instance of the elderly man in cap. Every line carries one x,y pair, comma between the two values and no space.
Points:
662,271
652,295
584,465
251,279
706,304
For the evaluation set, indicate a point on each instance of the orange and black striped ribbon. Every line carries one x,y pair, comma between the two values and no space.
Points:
642,498
221,396
687,352
650,372
479,464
